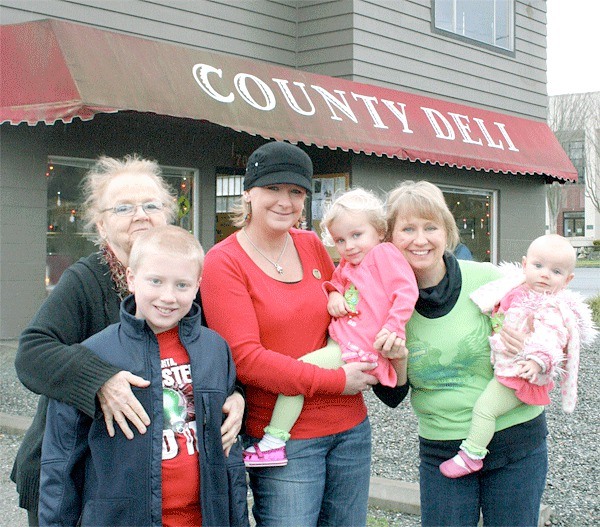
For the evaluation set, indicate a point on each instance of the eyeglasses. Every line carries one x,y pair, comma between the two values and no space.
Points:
128,209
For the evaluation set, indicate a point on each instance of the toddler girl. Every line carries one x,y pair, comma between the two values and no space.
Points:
372,294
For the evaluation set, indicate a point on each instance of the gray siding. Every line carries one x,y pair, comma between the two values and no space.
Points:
396,47
326,37
391,43
23,205
258,29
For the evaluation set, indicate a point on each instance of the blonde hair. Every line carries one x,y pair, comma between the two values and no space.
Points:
421,199
96,181
240,212
355,201
167,239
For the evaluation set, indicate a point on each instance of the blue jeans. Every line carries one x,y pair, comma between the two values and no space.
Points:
507,495
325,483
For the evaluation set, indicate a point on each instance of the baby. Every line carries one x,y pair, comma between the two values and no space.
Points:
557,321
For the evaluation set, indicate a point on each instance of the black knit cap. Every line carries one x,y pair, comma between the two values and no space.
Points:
277,163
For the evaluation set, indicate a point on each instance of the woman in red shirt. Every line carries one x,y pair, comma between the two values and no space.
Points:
262,291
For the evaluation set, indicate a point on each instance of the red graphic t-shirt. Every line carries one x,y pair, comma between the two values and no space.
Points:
180,463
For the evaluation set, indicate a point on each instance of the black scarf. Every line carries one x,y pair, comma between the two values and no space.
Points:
437,301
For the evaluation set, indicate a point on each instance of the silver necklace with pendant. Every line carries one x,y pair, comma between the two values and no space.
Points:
275,263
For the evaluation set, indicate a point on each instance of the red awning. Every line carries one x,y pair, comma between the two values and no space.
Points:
53,70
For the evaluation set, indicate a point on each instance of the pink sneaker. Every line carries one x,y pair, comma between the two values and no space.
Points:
277,457
460,465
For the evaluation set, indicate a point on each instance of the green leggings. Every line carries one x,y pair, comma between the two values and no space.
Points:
494,401
288,408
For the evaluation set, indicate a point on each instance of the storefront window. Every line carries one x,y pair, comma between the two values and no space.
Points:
229,189
573,224
66,240
473,212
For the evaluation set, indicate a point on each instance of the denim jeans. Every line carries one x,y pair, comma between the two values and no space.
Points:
507,495
325,483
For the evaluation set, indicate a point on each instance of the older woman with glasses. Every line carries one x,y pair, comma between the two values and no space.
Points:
123,198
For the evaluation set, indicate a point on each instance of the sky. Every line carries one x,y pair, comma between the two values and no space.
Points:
573,46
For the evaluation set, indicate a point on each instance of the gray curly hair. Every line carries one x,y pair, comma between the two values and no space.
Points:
96,181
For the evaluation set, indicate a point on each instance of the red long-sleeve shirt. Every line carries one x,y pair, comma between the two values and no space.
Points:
268,325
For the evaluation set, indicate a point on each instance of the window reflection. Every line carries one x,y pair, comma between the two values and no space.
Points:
472,211
66,239
480,20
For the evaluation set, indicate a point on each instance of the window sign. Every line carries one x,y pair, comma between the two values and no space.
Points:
230,185
326,187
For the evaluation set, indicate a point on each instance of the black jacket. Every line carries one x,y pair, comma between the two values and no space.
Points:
115,481
51,361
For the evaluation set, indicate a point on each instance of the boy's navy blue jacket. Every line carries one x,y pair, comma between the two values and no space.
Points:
115,481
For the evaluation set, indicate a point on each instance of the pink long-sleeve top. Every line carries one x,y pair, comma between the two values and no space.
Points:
384,291
546,343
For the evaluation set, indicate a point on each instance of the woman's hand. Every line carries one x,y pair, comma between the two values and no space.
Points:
356,378
393,348
390,345
513,339
234,409
120,405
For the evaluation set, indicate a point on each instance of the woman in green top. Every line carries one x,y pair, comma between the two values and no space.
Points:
449,366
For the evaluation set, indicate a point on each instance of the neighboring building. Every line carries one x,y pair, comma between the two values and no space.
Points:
575,120
375,91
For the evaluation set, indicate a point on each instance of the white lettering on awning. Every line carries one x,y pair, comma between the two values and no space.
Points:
450,127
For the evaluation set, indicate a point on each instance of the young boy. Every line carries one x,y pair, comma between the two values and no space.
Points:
558,323
176,474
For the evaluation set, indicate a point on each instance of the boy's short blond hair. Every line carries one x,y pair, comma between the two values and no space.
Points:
421,199
355,201
167,239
